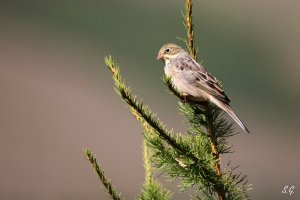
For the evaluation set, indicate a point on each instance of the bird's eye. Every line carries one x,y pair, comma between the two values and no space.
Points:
167,50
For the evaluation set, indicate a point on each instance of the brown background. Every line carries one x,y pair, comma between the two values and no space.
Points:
57,97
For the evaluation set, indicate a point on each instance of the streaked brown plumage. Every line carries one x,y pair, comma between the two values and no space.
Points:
192,80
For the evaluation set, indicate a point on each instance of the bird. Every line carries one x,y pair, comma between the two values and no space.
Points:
192,80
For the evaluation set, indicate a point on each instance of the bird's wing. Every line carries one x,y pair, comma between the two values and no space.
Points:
210,85
196,75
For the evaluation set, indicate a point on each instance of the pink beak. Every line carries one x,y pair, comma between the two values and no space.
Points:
160,57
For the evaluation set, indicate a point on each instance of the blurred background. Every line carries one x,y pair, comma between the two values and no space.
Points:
57,96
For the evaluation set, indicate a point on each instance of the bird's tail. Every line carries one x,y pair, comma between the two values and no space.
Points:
226,107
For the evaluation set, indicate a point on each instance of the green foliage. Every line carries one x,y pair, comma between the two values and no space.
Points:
154,191
151,189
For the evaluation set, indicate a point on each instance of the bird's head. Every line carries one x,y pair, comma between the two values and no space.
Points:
168,52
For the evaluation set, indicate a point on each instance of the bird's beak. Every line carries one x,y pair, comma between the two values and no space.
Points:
160,57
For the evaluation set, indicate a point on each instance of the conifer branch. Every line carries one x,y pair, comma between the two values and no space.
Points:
151,189
147,163
109,187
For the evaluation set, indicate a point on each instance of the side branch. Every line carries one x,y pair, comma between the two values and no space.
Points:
147,163
110,189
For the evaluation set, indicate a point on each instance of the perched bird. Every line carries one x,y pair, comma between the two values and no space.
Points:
192,80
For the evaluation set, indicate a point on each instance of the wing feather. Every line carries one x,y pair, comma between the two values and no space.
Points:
196,75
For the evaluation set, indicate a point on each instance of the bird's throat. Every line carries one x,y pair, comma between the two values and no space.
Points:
167,61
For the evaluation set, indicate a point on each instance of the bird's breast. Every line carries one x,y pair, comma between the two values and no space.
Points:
167,69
